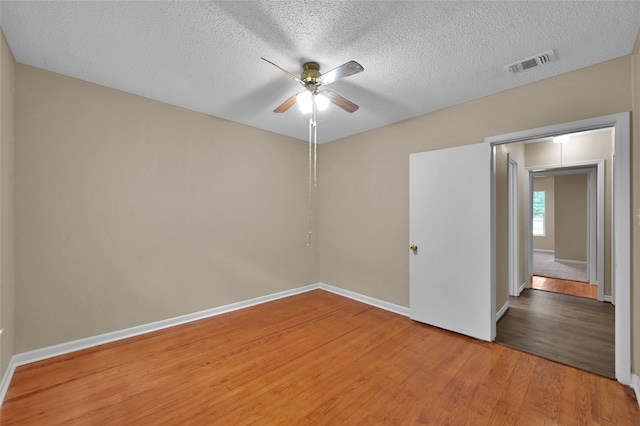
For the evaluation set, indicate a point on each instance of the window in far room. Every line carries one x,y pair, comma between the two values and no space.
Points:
538,213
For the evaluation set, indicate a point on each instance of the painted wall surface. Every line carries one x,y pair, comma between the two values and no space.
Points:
7,140
130,211
588,147
570,216
546,242
364,199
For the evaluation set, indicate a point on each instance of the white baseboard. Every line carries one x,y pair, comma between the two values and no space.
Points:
522,287
76,345
635,385
366,299
544,251
6,379
576,262
607,299
502,310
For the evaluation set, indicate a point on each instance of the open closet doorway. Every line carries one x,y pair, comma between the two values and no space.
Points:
602,221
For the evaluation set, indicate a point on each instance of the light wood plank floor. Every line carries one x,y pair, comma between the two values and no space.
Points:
314,358
573,288
572,330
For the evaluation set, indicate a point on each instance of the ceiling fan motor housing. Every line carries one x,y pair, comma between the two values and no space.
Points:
310,75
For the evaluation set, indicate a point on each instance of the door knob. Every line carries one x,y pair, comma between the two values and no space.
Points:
414,247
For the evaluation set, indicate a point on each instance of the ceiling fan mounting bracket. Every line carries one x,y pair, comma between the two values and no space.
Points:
310,73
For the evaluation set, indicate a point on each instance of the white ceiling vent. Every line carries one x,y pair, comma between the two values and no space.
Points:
532,62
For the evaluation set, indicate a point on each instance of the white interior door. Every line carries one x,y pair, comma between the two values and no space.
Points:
450,223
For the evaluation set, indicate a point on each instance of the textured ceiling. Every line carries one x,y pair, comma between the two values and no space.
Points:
418,56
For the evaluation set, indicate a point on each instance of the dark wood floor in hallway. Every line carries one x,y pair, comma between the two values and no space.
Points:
573,330
314,358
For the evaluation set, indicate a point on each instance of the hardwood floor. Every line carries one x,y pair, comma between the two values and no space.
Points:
314,358
573,288
572,330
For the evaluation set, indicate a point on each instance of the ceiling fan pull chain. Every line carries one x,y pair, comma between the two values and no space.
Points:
315,145
310,184
313,161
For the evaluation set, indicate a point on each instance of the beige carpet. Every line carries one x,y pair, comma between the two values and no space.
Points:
545,265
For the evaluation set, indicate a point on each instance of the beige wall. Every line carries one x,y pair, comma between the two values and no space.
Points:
364,198
570,216
130,211
7,281
546,242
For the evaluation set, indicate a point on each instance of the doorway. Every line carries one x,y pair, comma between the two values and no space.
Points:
559,317
568,227
618,239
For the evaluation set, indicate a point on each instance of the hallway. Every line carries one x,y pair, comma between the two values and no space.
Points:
568,329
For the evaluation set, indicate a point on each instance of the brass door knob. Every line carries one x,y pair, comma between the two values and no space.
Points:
414,247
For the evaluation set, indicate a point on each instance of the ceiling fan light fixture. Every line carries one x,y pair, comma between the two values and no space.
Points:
322,102
304,102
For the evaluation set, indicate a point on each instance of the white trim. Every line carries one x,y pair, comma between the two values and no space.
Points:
577,262
528,230
544,251
493,244
621,246
76,345
522,287
607,298
6,379
561,129
621,219
513,220
502,310
88,342
635,385
598,239
397,309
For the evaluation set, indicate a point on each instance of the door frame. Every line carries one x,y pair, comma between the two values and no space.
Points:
620,223
595,216
513,168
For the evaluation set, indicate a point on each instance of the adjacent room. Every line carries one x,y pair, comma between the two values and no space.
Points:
317,212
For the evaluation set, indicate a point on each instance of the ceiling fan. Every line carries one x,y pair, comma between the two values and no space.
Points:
311,79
